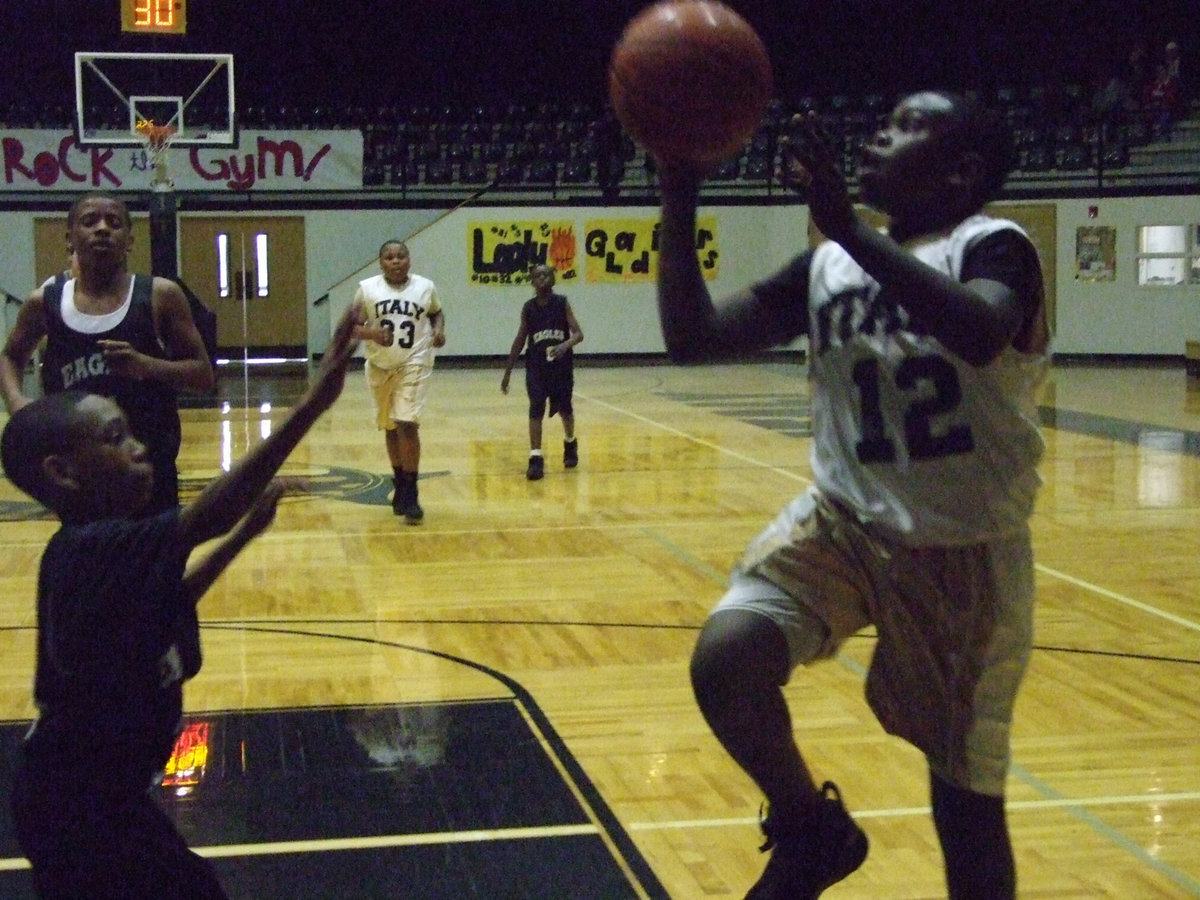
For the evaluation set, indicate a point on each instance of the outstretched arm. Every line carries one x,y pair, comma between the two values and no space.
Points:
201,576
226,500
695,327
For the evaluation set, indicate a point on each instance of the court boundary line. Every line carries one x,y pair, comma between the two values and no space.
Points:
367,842
321,845
900,812
1055,573
1077,808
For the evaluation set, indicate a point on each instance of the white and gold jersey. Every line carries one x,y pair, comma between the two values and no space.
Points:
905,433
404,312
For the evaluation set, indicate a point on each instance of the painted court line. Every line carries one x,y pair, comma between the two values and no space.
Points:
691,437
369,843
1070,579
1121,598
511,834
901,812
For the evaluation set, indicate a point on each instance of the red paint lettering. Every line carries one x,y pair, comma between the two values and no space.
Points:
47,168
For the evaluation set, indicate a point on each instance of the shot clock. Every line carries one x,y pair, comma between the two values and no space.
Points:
154,16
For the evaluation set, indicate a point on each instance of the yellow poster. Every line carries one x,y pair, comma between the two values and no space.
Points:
623,251
504,252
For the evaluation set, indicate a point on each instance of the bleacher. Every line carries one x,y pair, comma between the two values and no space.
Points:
556,150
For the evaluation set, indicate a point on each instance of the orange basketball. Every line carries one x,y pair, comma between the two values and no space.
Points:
690,80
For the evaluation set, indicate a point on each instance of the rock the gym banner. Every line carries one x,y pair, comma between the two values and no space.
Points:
616,251
45,161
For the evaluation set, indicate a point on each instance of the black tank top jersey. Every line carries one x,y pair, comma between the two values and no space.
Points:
72,360
545,326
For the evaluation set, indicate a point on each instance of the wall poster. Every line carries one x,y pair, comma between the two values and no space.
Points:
1096,253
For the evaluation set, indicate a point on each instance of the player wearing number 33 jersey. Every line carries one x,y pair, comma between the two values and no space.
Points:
406,312
398,369
402,328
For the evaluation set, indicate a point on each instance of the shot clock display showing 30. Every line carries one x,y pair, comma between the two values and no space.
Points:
154,16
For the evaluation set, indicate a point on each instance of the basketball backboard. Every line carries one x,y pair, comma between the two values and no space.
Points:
191,92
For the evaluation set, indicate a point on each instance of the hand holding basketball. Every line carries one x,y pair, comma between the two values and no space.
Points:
690,81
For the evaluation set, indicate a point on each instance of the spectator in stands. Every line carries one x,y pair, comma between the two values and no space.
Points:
610,155
1137,71
1111,102
1161,103
1175,70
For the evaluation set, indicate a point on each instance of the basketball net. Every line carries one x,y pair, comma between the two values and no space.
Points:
157,138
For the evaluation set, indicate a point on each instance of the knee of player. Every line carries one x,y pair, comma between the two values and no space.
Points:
739,651
720,667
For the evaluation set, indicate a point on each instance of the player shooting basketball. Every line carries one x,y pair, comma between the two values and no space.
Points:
928,340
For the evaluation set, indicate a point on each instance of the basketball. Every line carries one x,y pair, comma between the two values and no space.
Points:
690,81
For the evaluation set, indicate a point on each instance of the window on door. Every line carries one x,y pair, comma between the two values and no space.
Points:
237,279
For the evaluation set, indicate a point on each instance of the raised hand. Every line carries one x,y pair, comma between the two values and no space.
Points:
262,513
808,166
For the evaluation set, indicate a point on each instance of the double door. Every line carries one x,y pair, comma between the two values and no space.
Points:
251,273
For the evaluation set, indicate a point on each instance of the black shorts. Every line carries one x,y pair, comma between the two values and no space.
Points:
549,383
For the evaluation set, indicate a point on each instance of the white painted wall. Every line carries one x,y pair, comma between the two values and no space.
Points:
1119,317
16,261
615,318
1115,317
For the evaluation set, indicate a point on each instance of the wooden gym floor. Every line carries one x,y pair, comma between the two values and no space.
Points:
495,704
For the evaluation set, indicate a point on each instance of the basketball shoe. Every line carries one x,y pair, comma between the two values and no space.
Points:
413,514
571,453
404,500
399,495
808,855
537,468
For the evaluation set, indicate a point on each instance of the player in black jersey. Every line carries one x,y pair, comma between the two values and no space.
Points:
128,337
113,585
549,328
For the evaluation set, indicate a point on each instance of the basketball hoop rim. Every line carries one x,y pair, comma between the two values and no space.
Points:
156,137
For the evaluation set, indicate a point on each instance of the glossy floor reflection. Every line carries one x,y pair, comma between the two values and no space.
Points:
436,800
496,704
